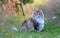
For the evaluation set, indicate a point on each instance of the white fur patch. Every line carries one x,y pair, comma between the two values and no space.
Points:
41,23
39,20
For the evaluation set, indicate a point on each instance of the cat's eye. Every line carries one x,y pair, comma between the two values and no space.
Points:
35,13
38,11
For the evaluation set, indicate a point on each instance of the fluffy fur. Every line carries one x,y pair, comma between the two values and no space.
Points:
36,22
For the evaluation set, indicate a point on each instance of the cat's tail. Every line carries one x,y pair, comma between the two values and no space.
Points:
13,29
16,29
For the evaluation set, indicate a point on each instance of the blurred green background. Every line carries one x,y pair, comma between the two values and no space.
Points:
11,15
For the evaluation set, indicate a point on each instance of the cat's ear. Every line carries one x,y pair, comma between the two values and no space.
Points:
41,10
35,10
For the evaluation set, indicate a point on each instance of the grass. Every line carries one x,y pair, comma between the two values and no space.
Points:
50,30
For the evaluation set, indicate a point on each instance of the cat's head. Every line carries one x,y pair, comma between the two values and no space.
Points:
37,13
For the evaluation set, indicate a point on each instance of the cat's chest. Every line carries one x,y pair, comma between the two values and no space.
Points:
39,20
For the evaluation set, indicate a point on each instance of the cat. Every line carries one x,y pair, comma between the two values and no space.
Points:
36,22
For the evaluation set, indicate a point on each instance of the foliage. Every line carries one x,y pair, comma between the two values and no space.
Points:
27,1
3,1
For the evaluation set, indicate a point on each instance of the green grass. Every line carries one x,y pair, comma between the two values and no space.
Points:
50,30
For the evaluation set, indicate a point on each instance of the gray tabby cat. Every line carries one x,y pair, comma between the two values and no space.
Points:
36,22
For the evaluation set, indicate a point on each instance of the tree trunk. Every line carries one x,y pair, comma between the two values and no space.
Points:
22,7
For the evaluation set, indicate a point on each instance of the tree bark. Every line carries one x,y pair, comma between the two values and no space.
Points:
22,7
